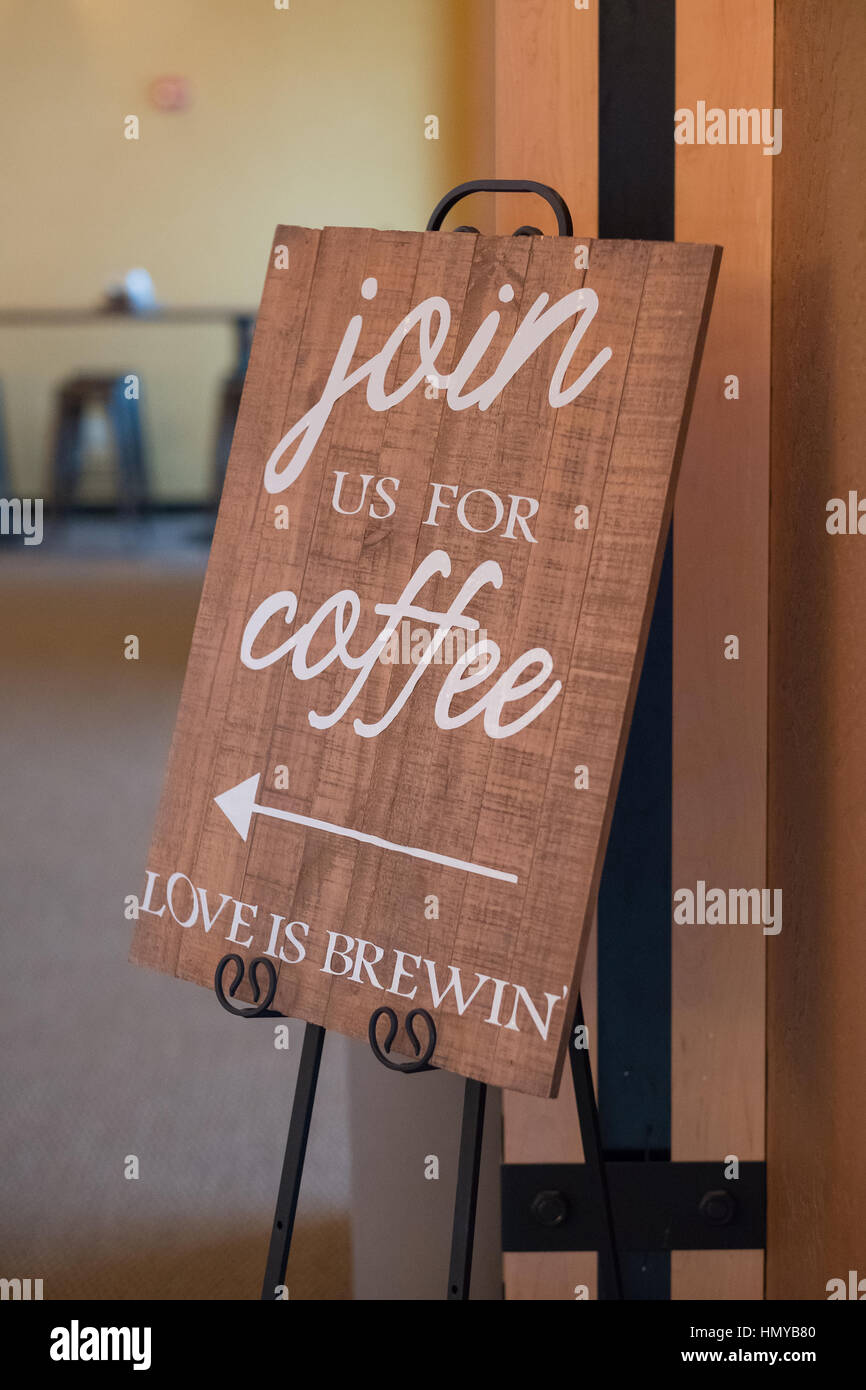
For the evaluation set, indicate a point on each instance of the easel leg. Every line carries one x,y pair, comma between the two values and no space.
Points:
609,1277
293,1162
468,1168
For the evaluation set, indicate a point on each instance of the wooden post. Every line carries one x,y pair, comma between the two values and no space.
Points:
546,128
817,966
546,119
724,58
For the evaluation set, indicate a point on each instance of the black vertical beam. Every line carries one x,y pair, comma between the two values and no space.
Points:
636,200
636,104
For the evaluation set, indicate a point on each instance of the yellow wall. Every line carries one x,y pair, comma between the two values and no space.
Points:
313,115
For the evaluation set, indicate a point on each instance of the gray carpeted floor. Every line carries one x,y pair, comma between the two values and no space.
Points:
102,1060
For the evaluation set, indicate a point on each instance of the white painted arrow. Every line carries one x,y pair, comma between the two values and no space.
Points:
239,804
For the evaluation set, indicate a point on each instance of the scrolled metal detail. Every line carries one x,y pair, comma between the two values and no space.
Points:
382,1053
261,1008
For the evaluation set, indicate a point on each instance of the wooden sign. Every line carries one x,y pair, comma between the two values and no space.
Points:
421,630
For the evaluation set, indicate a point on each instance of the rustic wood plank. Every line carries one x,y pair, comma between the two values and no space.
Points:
414,763
723,193
333,777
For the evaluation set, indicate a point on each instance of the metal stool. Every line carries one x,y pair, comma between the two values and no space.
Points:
5,478
124,419
229,404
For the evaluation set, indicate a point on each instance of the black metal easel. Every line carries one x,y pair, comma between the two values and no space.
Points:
475,1092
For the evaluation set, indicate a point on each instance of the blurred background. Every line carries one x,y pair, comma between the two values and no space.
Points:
248,115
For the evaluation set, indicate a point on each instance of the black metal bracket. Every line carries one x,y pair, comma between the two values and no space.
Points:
657,1206
382,1054
261,1007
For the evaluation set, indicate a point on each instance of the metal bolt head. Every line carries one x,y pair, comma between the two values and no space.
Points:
718,1208
550,1208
